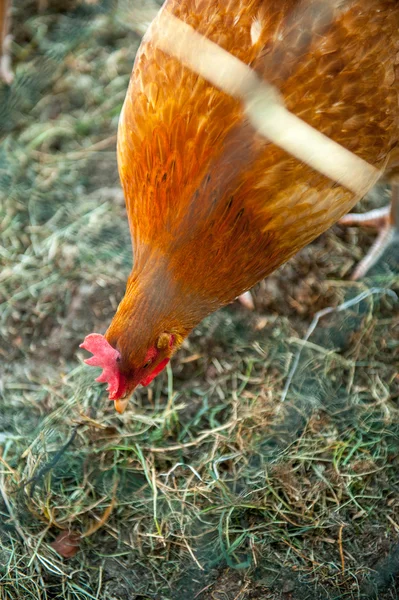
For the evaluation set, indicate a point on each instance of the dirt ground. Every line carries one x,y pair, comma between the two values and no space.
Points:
208,487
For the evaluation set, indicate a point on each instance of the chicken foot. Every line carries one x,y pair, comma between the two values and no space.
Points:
386,221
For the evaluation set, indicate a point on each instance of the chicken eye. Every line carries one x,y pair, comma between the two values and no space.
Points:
147,364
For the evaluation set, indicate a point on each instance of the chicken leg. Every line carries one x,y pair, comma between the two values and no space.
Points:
246,300
386,221
6,73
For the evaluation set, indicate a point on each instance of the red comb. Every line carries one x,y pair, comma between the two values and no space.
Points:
106,357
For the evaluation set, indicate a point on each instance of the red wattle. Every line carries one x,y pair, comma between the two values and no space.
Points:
146,380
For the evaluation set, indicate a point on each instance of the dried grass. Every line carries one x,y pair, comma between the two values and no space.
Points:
209,486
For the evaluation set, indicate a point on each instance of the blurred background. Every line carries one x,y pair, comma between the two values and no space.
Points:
209,486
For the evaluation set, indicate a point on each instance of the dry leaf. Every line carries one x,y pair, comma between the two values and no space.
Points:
67,543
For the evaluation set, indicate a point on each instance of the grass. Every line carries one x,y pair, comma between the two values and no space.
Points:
208,487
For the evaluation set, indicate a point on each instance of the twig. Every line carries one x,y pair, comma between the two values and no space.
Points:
180,464
93,528
203,590
242,590
77,154
199,439
223,459
341,551
394,523
193,555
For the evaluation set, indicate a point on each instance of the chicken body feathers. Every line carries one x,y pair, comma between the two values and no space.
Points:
202,187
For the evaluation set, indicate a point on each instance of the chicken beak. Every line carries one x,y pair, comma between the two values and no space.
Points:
120,405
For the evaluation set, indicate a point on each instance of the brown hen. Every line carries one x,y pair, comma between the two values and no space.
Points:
213,207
